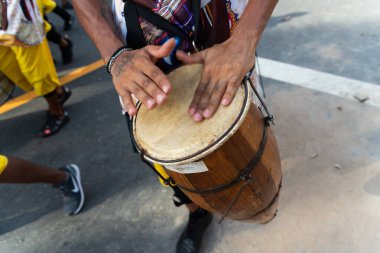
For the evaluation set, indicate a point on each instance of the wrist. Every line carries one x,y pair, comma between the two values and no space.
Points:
114,57
241,44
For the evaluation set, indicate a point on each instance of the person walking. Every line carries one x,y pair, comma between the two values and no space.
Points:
67,179
32,67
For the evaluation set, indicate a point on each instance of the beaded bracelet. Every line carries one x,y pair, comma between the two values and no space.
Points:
114,56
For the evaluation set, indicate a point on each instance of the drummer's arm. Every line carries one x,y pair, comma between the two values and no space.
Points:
133,72
252,24
227,63
97,20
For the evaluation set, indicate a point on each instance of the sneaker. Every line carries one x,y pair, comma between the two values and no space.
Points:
53,124
191,237
67,52
73,196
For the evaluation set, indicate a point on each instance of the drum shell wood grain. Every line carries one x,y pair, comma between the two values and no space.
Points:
258,201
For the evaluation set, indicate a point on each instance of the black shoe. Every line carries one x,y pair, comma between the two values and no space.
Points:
62,98
53,124
68,23
191,238
73,195
67,52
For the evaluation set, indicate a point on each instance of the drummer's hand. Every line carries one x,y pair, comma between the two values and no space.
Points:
225,66
134,72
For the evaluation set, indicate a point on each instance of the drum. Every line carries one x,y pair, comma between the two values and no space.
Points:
228,164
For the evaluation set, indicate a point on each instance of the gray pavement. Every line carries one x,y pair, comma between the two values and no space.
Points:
323,207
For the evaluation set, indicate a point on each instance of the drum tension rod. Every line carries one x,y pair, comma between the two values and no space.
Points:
247,180
269,118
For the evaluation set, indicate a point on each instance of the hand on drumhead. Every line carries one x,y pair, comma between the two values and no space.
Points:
225,66
134,72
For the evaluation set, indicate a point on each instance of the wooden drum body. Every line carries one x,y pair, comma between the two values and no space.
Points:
206,159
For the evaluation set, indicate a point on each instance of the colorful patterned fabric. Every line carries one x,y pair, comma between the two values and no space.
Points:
179,13
217,21
21,23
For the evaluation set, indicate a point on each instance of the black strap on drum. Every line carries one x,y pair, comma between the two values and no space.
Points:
135,35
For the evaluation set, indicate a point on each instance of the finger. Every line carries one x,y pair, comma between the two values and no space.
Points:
129,106
217,91
194,108
159,78
126,99
163,50
189,59
230,93
142,95
212,87
150,88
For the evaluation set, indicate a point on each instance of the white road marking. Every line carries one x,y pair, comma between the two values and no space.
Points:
320,81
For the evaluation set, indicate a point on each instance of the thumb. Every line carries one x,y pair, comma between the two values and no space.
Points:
161,51
189,59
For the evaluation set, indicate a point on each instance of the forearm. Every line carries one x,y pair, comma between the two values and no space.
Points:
96,18
252,23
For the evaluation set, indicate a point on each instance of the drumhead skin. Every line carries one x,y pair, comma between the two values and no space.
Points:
169,136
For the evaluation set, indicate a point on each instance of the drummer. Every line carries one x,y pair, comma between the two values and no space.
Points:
139,72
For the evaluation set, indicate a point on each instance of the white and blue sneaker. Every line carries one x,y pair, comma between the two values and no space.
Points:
73,195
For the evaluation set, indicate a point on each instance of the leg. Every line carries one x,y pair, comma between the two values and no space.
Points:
67,179
62,13
55,108
65,16
199,219
37,66
65,45
10,66
23,172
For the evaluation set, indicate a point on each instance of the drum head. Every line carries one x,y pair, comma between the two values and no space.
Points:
169,136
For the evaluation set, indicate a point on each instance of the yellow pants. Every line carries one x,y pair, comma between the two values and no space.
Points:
30,67
3,163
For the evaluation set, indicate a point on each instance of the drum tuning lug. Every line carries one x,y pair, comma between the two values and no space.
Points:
270,119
